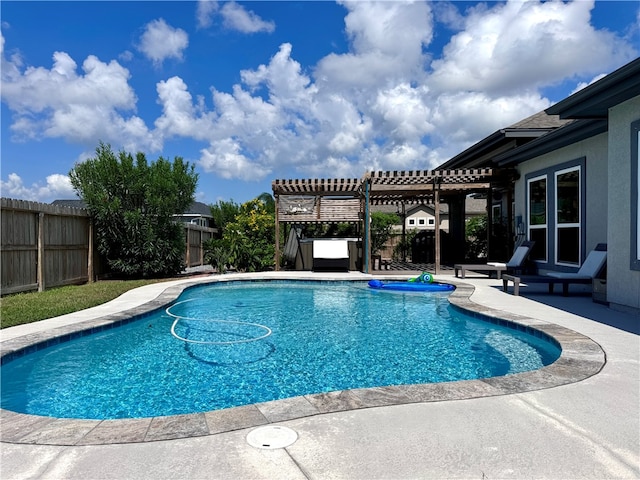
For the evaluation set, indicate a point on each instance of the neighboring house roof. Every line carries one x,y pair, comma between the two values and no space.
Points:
482,153
409,208
199,208
70,203
428,208
595,100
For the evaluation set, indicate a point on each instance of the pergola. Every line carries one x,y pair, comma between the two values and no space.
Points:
349,200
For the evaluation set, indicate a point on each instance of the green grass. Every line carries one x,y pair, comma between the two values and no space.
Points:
33,306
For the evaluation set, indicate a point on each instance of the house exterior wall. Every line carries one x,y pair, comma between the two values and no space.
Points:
623,283
593,153
425,216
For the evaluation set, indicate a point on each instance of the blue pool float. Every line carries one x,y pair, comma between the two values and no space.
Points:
412,286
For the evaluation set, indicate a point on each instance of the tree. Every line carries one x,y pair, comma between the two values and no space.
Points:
381,229
476,233
132,203
269,202
250,237
247,241
224,213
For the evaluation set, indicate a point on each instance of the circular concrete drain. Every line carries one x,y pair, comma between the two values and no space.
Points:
271,437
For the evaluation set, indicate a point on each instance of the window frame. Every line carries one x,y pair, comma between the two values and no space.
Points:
551,246
557,224
531,179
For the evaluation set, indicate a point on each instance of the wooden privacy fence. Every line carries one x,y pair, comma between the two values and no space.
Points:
195,236
44,246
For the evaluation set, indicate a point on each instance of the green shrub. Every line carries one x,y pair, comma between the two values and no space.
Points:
132,204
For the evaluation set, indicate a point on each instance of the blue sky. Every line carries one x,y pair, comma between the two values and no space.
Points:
254,91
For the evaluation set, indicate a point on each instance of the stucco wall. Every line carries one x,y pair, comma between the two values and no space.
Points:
594,150
623,284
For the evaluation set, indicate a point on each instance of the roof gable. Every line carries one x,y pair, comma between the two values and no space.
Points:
482,153
595,100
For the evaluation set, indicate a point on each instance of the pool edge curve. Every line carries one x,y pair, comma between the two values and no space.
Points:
580,358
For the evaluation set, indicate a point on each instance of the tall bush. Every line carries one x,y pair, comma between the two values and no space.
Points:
223,213
132,203
381,229
247,242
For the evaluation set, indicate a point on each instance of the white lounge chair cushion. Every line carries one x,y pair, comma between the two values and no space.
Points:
515,261
330,249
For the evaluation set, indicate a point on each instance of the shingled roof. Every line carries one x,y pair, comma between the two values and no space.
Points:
482,153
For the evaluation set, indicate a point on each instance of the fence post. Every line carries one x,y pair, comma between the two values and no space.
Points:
90,253
40,273
188,253
201,250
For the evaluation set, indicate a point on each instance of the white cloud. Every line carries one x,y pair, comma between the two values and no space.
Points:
160,41
60,103
57,187
379,106
522,45
582,85
404,112
387,40
225,158
236,17
179,115
38,89
384,104
205,11
288,86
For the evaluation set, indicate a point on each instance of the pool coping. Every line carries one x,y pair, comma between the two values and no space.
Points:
580,359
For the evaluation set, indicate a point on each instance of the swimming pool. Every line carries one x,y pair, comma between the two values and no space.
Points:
324,337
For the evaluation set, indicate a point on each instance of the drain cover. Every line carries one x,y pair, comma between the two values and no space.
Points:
271,437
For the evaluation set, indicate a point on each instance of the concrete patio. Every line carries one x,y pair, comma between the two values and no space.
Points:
585,428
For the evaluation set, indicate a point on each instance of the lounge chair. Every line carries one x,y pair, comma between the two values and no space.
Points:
515,263
589,270
331,255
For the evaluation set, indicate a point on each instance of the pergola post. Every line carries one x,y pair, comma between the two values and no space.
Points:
366,250
277,230
490,253
436,202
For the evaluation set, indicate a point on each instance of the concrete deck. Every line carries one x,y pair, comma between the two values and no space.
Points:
578,418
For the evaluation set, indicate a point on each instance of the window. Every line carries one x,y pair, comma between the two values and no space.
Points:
412,222
431,221
422,221
537,216
567,186
635,196
496,213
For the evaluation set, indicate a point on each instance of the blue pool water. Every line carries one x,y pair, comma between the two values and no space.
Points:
262,341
